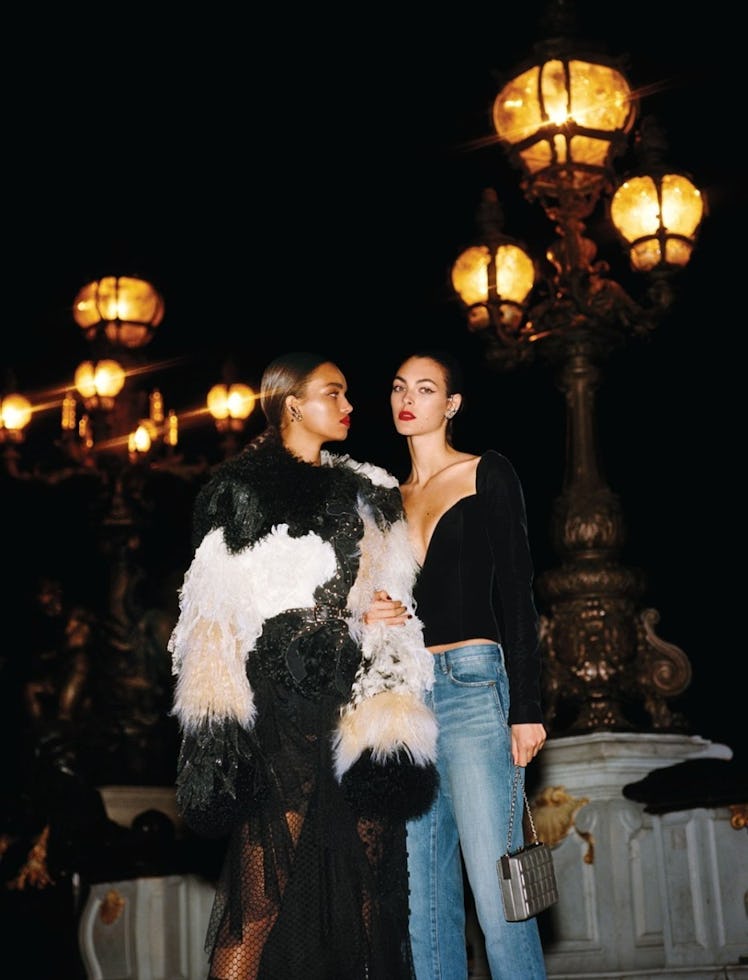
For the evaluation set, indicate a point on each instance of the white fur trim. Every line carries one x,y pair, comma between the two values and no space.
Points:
386,712
377,474
224,600
386,724
394,657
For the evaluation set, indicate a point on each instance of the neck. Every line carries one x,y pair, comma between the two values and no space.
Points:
429,453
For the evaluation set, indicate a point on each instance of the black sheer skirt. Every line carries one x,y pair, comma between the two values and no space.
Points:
310,889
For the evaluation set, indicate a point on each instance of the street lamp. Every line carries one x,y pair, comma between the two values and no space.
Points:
230,405
112,475
562,120
126,309
108,419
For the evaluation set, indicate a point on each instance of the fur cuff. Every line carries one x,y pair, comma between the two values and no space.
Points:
388,724
396,789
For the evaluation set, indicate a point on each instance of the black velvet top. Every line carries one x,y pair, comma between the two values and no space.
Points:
476,580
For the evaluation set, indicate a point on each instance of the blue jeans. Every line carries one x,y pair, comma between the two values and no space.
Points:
470,698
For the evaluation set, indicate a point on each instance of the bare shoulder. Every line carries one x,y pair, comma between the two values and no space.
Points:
461,474
456,479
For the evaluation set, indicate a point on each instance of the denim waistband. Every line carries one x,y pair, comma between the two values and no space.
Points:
468,650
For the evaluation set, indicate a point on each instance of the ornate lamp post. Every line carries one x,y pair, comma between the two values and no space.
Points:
562,119
114,468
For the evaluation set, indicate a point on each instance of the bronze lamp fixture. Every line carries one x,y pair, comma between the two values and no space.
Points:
117,477
562,120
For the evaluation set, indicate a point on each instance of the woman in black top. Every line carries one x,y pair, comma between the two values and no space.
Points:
467,524
300,696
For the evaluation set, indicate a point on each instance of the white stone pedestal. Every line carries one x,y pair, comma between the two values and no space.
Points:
150,928
641,895
146,929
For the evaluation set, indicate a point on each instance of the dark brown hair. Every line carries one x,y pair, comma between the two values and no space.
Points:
286,375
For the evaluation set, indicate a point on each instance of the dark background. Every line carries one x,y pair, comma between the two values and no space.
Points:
307,181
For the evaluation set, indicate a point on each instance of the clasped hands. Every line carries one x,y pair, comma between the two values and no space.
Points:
385,610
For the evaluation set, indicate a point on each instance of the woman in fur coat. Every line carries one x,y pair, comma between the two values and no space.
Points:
300,686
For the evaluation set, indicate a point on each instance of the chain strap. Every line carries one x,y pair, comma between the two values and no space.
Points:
511,812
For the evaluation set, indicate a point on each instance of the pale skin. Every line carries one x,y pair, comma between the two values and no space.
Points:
440,475
322,413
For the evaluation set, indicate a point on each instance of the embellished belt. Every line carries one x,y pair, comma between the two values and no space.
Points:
321,613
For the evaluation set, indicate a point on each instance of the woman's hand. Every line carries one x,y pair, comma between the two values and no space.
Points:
527,741
385,610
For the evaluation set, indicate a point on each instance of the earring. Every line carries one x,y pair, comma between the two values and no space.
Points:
295,414
450,414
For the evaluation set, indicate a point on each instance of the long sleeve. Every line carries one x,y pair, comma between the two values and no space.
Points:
214,703
385,744
500,490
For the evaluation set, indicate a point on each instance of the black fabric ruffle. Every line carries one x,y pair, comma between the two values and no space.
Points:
216,777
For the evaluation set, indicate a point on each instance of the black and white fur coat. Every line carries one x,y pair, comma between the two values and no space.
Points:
272,535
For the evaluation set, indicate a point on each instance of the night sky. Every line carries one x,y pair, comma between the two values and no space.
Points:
308,185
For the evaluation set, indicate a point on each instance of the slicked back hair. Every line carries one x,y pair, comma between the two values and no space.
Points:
286,375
